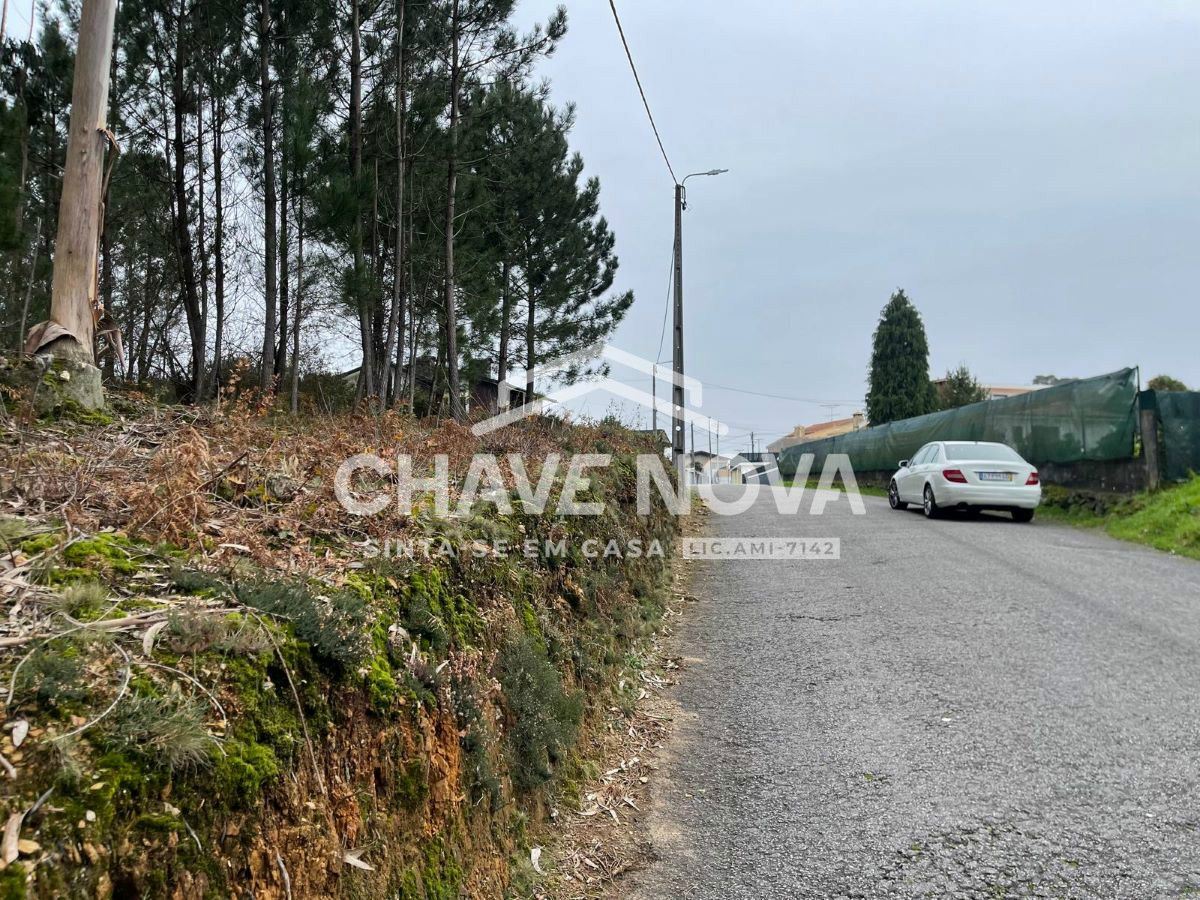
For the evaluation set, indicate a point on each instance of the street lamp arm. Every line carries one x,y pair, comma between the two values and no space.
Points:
709,172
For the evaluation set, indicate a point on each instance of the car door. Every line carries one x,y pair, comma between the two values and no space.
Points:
909,481
933,462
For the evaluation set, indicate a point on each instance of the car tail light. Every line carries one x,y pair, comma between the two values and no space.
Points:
954,475
1033,478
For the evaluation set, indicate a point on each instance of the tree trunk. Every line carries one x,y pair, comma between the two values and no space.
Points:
281,354
218,245
71,302
505,336
183,231
201,389
106,287
267,370
20,92
395,335
29,286
299,299
147,320
366,380
413,335
530,345
377,325
435,378
456,408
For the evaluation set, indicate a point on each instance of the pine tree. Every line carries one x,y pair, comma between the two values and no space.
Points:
899,385
550,246
303,165
480,40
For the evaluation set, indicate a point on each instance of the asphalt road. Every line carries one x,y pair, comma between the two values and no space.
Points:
956,708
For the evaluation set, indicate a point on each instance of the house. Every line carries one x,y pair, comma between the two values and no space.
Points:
703,467
486,394
803,433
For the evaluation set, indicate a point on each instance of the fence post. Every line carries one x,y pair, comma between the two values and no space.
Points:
1148,424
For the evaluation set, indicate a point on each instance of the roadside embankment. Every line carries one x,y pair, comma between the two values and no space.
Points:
1167,519
217,682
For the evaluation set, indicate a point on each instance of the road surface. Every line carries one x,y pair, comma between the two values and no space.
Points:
956,708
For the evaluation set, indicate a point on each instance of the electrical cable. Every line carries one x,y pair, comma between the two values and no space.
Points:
662,336
646,103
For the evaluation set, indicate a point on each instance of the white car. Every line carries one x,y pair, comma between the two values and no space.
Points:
967,475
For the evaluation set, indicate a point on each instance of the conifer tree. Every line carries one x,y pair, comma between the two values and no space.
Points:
959,388
899,385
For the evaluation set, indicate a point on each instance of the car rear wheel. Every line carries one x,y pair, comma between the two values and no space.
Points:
932,511
1022,515
894,497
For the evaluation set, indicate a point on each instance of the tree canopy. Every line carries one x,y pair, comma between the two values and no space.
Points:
304,185
959,388
898,382
1166,383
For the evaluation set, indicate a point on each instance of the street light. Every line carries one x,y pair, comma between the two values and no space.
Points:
677,332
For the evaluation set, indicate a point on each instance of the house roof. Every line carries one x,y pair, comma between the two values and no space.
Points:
1001,390
821,427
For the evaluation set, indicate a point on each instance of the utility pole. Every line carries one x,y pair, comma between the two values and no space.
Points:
752,443
75,249
677,333
677,330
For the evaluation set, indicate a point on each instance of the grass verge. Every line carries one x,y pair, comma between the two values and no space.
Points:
1168,519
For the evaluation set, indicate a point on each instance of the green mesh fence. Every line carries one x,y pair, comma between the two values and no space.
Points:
1089,419
1179,412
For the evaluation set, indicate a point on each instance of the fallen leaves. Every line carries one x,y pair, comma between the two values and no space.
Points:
354,858
10,843
606,837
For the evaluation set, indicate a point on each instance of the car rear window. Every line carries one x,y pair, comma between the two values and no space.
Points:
997,452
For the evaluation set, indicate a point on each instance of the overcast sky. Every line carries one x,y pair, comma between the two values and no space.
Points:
1028,172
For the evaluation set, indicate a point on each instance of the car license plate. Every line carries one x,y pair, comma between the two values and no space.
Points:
995,476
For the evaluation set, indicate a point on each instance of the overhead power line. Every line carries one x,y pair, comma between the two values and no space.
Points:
724,387
666,309
708,385
621,31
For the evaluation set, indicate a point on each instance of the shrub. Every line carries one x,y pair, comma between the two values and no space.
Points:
164,731
191,632
83,600
545,717
474,741
194,581
334,625
53,677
